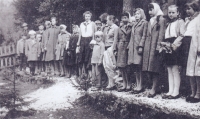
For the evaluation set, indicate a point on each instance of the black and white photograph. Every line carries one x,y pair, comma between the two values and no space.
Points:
99,59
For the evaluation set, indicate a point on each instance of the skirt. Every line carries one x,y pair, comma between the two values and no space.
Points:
85,50
184,50
172,58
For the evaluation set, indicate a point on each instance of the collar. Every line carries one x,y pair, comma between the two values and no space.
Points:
87,22
195,15
54,26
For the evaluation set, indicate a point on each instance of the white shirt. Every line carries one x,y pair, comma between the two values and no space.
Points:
87,29
171,30
190,25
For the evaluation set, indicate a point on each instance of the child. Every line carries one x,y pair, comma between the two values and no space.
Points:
41,63
32,51
70,52
193,62
135,47
120,46
173,35
98,25
21,52
39,48
62,43
155,34
97,60
44,42
87,30
51,45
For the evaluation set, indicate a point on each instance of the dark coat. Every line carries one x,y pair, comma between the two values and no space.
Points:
155,35
138,37
121,47
51,43
70,59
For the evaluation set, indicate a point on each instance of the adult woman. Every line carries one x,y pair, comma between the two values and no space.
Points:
136,44
110,34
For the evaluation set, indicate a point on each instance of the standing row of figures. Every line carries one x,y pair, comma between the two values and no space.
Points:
100,47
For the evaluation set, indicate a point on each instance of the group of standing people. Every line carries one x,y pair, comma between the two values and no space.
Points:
105,47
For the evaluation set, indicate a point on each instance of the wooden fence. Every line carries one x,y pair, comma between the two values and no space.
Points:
7,56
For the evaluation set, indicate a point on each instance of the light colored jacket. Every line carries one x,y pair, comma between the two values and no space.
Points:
21,46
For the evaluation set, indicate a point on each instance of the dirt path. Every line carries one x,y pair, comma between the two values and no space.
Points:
59,96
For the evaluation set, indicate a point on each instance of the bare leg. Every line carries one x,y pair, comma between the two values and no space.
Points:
140,83
137,80
124,78
155,83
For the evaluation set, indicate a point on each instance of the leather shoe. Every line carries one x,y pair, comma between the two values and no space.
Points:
121,89
174,97
188,98
195,100
109,89
152,95
137,91
165,96
127,90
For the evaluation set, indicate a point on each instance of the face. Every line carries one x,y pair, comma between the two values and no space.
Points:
190,11
121,23
137,15
151,13
98,38
53,21
39,38
24,37
87,17
109,22
47,26
32,36
125,19
173,13
25,28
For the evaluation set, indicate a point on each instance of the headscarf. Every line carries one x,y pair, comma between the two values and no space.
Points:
143,16
157,12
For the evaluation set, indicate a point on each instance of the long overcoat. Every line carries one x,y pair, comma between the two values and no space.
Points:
193,63
138,37
155,34
124,35
51,42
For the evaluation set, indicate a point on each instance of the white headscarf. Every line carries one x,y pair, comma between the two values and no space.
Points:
157,12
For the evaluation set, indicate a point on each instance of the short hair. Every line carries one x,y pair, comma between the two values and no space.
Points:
99,33
87,12
174,6
125,14
41,27
53,18
194,4
31,32
103,17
